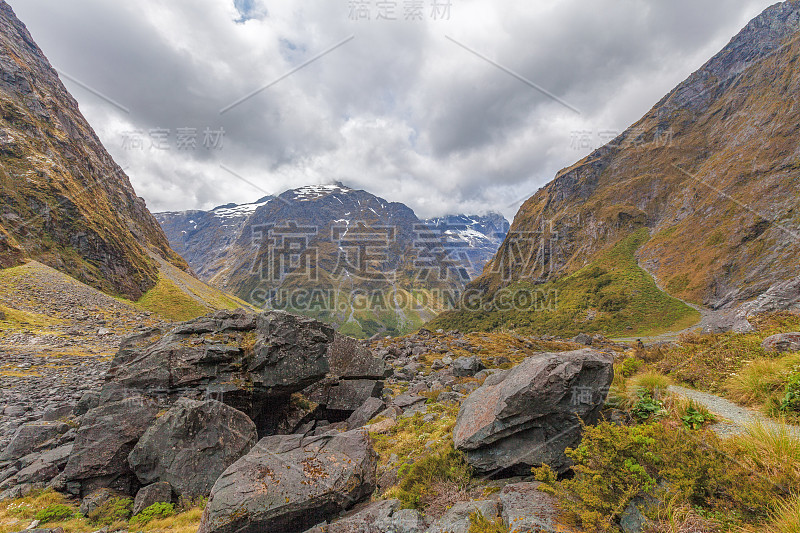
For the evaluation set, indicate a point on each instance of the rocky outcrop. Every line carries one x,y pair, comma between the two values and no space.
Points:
529,415
385,515
239,358
457,518
32,437
191,445
782,342
160,492
526,509
291,483
107,435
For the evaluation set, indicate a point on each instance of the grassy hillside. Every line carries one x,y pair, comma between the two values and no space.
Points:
612,295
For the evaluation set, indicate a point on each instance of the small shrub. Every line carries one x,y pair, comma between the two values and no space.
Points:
56,512
111,511
630,366
647,407
791,398
544,474
480,524
417,481
694,416
614,464
157,510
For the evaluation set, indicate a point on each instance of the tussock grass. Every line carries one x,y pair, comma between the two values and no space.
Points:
773,452
786,518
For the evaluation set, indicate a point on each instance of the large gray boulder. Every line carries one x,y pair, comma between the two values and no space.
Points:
289,483
32,437
191,445
467,366
160,492
239,358
530,414
47,466
349,359
782,342
107,435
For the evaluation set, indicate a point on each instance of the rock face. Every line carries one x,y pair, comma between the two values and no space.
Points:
33,437
107,435
65,201
191,445
239,358
529,415
783,342
160,492
291,483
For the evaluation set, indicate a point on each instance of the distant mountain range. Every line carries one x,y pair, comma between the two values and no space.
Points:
332,244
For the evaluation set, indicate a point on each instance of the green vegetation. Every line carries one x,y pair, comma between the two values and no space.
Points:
112,511
423,481
169,301
480,524
155,511
56,512
611,295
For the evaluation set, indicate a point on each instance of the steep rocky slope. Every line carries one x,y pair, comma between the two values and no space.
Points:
711,175
326,243
63,200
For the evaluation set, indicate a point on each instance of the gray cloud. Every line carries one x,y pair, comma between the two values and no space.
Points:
400,110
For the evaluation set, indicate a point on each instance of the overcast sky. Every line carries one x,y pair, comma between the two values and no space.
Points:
425,110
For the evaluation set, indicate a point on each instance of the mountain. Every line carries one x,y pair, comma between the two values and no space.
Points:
203,237
702,193
64,201
65,204
475,238
333,245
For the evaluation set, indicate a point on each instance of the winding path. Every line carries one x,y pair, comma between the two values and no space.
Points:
736,417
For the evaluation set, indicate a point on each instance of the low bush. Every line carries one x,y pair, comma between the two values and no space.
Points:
157,510
791,396
113,510
419,481
631,366
614,464
56,512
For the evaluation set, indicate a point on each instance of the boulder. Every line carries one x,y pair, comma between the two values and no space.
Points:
530,414
32,437
290,483
350,394
46,467
239,358
782,342
526,509
349,359
95,499
467,366
457,518
385,515
107,435
160,492
191,445
88,401
366,412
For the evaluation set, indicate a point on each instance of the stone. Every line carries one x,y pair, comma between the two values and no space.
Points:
782,342
242,359
46,467
526,509
191,445
350,394
583,338
365,412
406,400
290,483
58,413
160,492
95,499
32,437
467,366
529,415
457,518
107,435
88,401
349,359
